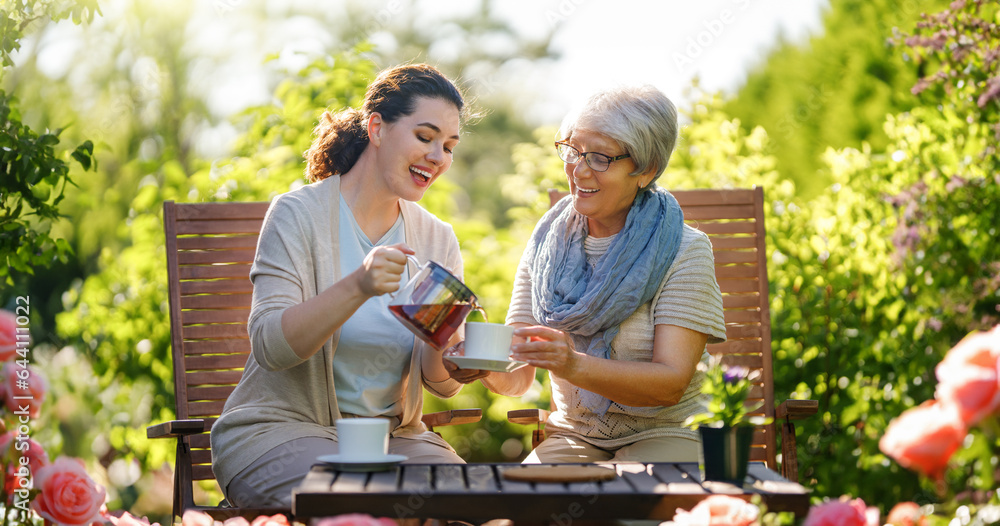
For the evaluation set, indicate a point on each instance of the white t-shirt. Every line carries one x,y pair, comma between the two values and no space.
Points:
374,348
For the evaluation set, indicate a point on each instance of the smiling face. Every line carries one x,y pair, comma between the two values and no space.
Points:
416,149
603,197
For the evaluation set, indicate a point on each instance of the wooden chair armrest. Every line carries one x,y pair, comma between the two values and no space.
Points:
453,417
796,409
176,428
528,416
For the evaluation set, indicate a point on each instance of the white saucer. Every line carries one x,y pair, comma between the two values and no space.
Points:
349,464
503,366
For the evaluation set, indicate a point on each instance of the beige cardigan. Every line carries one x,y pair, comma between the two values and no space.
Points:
280,396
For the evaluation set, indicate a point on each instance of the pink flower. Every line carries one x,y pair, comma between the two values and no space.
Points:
905,514
8,335
718,510
841,512
197,518
128,520
969,376
25,388
12,449
274,520
355,519
68,495
924,438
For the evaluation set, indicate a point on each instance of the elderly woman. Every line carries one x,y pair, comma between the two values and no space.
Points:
615,296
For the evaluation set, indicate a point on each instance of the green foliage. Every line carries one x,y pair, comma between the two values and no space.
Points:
35,175
832,90
17,15
35,178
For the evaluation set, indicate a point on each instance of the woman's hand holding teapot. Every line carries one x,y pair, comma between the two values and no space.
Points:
382,269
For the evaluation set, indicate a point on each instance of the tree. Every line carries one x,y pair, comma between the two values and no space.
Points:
833,90
35,176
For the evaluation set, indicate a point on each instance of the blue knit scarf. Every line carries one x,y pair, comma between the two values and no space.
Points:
590,303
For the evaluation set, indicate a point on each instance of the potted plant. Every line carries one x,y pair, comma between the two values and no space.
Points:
726,427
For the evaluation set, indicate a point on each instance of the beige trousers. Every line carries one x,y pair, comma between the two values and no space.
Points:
563,449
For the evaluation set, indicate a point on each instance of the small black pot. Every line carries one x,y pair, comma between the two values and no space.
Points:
726,452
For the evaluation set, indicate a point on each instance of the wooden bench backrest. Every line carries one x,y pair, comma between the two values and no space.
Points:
734,221
210,248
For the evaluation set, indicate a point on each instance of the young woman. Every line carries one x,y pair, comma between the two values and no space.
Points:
324,344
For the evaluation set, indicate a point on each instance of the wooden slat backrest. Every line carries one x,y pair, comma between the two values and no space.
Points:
209,251
734,221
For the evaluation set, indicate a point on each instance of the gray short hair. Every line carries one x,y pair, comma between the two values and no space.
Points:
640,118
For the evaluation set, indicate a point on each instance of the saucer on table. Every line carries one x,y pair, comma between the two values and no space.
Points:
349,464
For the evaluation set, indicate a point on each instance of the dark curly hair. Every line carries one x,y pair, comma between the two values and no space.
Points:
340,139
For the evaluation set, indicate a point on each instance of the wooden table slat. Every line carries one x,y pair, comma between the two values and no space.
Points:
448,477
350,483
512,486
317,481
767,481
416,478
481,479
383,482
680,478
616,485
638,476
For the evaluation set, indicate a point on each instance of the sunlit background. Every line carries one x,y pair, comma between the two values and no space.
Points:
881,213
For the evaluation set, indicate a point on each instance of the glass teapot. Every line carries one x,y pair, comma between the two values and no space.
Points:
433,304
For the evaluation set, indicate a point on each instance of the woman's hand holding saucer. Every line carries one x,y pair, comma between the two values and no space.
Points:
458,374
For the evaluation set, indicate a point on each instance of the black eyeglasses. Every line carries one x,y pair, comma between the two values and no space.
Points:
596,161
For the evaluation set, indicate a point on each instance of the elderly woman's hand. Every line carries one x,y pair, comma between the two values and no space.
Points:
458,374
547,348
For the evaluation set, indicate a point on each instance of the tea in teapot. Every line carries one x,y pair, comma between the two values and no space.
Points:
434,304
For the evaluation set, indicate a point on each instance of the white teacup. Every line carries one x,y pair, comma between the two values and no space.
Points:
363,439
489,341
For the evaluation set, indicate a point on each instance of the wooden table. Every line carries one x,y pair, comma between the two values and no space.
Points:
479,492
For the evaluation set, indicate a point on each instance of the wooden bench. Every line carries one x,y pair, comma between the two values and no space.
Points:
210,248
734,221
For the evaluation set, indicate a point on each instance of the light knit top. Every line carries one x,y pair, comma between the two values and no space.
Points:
282,397
688,297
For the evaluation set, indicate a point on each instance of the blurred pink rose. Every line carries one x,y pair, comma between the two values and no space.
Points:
197,518
8,335
969,376
24,382
924,438
33,451
274,520
355,519
68,495
906,514
128,520
841,512
718,510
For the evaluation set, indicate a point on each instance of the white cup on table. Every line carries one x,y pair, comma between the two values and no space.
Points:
488,341
363,439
